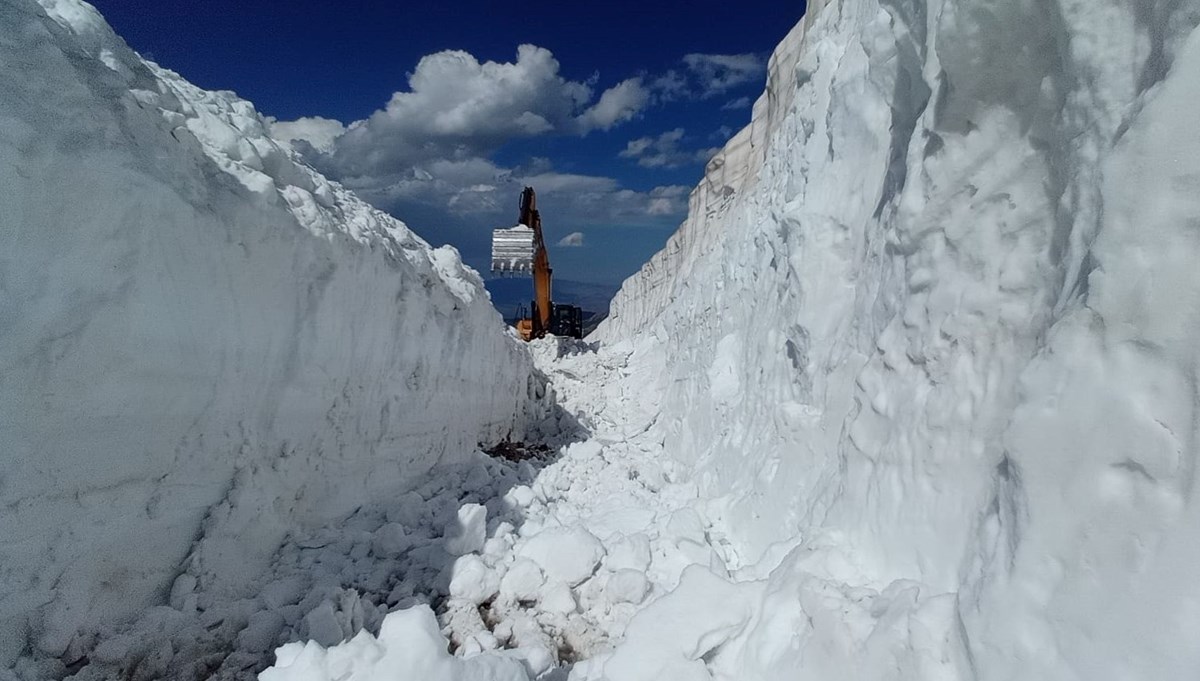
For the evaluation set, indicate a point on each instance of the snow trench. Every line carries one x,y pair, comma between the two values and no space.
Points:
921,361
911,395
205,346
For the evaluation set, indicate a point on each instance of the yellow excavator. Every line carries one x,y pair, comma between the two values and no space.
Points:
521,250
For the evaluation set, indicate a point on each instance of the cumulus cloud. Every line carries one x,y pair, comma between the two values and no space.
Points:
429,155
461,200
319,133
663,151
718,73
457,107
617,104
572,240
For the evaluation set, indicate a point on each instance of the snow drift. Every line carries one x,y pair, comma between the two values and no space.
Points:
204,344
929,343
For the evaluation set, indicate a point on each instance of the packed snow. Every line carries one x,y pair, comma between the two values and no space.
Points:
911,395
204,345
929,342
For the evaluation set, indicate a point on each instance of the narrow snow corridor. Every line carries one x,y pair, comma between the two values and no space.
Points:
913,394
607,564
542,554
548,572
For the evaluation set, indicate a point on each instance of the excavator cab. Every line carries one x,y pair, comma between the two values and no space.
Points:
520,250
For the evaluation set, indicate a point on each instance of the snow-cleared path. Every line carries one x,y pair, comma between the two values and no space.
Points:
560,563
544,560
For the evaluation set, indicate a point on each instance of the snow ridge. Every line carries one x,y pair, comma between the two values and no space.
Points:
204,344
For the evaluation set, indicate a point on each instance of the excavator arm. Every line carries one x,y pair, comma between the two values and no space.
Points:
514,251
542,307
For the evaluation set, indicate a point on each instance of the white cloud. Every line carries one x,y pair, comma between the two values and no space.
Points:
664,152
618,104
428,155
571,199
548,182
318,132
458,108
708,75
734,104
719,73
477,191
670,86
572,240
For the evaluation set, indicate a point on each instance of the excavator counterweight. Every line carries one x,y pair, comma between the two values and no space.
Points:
520,250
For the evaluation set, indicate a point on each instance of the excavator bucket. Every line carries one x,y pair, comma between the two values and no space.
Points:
512,250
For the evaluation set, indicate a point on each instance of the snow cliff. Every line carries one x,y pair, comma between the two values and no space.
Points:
928,341
204,345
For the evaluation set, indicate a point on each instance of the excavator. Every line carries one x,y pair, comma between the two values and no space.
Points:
521,250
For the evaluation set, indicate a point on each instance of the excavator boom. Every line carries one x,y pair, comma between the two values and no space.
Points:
542,307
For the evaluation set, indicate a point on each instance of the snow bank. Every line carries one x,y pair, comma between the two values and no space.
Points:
204,344
931,322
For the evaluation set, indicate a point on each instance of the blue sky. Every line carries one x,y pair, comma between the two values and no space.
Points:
610,111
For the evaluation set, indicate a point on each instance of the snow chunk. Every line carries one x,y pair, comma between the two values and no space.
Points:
473,580
671,636
523,581
409,644
181,589
321,624
521,496
626,586
390,540
558,600
631,552
469,532
261,632
565,555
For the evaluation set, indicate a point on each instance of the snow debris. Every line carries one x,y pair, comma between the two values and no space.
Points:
409,642
563,576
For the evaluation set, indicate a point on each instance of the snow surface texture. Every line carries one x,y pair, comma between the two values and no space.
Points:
929,346
204,345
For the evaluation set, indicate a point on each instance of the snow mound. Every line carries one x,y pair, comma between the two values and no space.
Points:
204,344
927,341
409,642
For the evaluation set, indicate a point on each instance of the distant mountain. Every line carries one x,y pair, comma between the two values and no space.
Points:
509,293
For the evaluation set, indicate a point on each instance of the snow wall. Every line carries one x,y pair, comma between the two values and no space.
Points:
203,343
932,321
